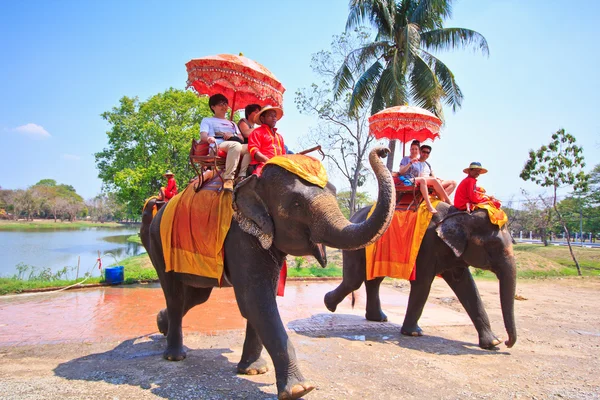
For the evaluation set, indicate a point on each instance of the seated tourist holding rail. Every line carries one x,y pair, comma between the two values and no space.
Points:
410,174
224,135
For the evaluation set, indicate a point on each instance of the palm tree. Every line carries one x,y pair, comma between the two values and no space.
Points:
399,65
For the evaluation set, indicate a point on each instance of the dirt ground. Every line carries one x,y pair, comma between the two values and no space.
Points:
556,357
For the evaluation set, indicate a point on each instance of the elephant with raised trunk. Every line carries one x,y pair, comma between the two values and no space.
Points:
453,241
276,214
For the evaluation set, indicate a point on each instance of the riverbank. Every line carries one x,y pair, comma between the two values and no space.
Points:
50,224
533,262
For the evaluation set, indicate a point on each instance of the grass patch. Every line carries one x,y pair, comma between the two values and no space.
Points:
50,224
11,285
315,271
135,239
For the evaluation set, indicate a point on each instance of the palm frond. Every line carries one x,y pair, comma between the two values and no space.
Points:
425,90
365,86
453,96
430,14
343,80
367,53
454,38
377,12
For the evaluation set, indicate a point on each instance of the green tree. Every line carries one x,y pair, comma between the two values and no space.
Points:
344,201
344,134
46,182
58,200
144,140
559,164
400,67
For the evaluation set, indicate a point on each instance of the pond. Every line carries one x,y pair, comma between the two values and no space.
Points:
56,249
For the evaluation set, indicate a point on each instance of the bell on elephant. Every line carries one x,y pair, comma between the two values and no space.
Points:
276,214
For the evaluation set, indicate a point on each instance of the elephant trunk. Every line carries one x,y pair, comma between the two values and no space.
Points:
336,231
507,277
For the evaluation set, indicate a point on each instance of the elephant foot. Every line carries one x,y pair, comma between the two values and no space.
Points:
254,368
162,321
414,331
489,342
377,316
329,302
296,391
174,354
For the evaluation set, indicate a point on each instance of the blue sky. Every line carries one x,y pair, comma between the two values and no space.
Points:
64,63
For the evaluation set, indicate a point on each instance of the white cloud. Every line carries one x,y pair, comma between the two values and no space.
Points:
71,157
32,130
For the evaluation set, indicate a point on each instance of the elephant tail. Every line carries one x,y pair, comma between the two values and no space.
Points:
353,299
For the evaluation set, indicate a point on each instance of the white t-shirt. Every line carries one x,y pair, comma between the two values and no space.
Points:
425,169
216,127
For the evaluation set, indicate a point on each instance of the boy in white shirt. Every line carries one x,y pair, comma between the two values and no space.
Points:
225,135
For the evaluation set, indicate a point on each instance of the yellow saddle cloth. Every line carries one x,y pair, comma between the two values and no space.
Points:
497,215
395,253
193,230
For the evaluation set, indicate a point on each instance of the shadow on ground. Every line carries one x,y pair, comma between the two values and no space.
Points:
205,373
355,328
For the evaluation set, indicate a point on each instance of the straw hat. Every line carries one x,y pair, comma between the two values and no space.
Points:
168,173
278,110
475,165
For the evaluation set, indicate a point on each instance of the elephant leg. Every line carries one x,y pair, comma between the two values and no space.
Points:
192,297
353,276
252,363
374,312
174,313
463,285
258,305
419,292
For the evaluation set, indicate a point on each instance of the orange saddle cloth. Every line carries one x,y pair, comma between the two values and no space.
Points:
395,253
193,229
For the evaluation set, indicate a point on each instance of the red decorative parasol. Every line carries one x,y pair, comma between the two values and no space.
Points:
405,123
240,79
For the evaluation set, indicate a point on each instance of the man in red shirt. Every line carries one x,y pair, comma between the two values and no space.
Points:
264,142
467,193
171,190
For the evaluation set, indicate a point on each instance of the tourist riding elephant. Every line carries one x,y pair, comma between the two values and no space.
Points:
275,215
453,241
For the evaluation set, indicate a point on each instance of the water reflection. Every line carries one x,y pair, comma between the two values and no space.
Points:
59,249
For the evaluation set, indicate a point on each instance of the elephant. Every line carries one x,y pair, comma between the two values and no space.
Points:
454,240
276,214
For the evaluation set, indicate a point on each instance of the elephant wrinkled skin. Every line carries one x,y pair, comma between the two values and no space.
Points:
289,216
453,241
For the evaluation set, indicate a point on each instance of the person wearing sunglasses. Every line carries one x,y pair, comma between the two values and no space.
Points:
426,170
225,135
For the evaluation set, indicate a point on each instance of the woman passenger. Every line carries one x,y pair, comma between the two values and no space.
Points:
246,125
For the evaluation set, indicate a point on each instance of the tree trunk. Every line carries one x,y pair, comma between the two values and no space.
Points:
560,218
390,160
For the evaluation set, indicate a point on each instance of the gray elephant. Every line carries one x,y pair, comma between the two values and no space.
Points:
276,214
453,241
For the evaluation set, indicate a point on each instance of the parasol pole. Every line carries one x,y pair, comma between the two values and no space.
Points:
232,105
404,144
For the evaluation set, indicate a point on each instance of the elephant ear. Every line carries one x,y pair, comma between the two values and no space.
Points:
454,233
251,212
